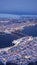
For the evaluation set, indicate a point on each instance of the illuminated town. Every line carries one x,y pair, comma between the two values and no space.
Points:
24,50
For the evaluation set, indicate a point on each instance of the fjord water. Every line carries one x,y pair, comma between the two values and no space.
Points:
30,30
6,40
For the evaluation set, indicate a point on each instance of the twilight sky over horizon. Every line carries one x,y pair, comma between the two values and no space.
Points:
18,6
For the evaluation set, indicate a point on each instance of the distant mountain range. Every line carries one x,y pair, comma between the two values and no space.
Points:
18,13
22,16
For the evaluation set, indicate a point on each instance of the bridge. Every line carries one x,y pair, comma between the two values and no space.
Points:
17,34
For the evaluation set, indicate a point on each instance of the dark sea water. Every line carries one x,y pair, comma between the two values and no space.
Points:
31,31
6,40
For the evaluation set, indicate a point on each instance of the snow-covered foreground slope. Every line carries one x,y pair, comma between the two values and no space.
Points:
23,52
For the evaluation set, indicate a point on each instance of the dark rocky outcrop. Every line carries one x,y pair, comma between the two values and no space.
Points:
36,63
10,63
1,63
31,63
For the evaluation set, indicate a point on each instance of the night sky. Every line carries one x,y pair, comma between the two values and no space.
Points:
18,6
